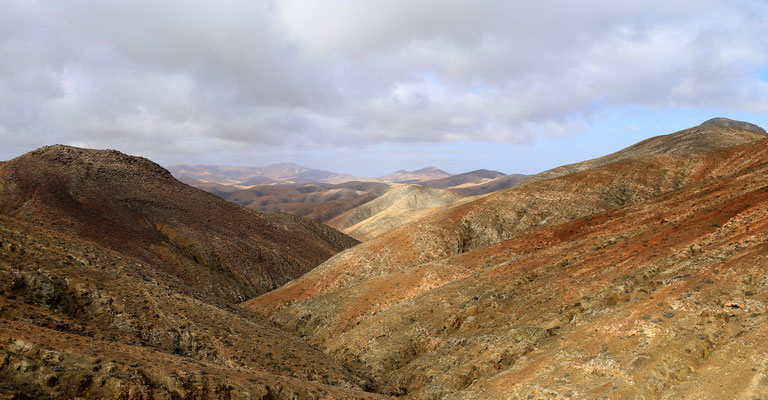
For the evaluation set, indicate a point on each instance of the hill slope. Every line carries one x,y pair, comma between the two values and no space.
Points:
397,206
716,133
489,186
631,279
472,177
117,281
78,320
316,201
132,205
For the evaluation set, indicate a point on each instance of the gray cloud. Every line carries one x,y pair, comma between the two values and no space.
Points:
193,77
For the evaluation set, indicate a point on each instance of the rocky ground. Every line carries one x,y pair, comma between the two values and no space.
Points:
641,278
117,281
79,320
638,275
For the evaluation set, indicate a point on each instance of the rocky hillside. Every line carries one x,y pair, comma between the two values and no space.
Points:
78,320
118,281
134,206
397,206
716,133
638,278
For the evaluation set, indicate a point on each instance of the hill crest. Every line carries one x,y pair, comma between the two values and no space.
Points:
134,206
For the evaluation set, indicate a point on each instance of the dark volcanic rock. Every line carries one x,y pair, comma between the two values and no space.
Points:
720,121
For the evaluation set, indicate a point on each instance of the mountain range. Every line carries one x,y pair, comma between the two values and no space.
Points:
636,277
325,196
248,176
639,274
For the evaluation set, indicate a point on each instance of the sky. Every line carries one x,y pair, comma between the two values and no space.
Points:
368,87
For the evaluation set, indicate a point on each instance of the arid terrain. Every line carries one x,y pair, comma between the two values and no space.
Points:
337,199
117,281
635,275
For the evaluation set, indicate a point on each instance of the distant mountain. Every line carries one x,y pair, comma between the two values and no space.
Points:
490,186
318,195
420,175
248,176
317,201
397,206
468,178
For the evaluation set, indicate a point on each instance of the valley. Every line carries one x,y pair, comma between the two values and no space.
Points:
639,274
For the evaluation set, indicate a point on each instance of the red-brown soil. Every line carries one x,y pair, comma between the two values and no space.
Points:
637,278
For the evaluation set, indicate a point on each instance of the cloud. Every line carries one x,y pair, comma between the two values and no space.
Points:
193,77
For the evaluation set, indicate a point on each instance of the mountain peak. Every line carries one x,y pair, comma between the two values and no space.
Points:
424,174
100,161
429,168
730,123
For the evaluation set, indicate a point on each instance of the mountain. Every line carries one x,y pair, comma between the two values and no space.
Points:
632,278
134,206
476,182
472,178
729,123
400,204
317,201
424,174
707,136
248,176
490,186
321,195
118,281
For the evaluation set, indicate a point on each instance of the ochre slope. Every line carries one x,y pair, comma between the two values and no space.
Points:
660,297
397,206
132,205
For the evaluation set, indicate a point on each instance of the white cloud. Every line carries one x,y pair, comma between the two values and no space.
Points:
236,75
